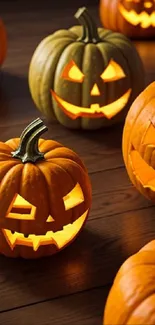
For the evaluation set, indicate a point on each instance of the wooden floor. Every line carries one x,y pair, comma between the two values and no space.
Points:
71,287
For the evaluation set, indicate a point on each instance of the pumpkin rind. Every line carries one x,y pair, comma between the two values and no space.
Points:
138,142
43,183
132,296
51,56
112,18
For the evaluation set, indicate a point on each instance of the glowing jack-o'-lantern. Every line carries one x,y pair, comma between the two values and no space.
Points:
45,195
113,72
134,18
131,300
84,76
139,142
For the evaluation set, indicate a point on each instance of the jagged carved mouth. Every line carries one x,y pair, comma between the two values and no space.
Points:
143,19
59,238
144,173
94,111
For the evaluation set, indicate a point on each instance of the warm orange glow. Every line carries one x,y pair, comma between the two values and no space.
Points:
74,197
50,219
144,173
148,4
59,238
112,72
21,209
72,72
149,136
94,111
95,91
143,19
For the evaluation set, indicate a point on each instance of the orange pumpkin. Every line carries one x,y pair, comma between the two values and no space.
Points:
3,42
139,142
45,194
134,18
132,297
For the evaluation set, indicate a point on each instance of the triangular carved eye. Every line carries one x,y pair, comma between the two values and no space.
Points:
21,209
74,197
50,219
72,72
113,72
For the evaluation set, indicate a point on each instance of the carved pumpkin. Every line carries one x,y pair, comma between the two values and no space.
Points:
134,18
132,297
139,142
3,42
85,76
45,194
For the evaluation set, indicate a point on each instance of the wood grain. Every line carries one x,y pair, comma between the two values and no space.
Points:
84,308
91,261
71,287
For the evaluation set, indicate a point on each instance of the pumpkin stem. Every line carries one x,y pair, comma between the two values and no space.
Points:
28,148
90,32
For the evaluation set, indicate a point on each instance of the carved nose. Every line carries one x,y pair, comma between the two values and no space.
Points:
148,4
95,91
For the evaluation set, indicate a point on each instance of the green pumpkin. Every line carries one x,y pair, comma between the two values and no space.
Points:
85,77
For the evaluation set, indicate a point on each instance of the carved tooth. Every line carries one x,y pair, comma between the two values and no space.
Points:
10,238
49,234
36,243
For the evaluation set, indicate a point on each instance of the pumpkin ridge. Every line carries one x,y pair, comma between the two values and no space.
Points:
32,169
8,165
121,52
5,157
103,33
74,179
66,159
63,33
122,274
64,45
5,184
128,320
91,50
5,148
65,151
133,305
73,163
138,305
43,171
76,48
49,145
35,78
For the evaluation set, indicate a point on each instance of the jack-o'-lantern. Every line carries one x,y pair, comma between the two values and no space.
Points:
134,18
139,142
84,76
3,42
131,300
45,194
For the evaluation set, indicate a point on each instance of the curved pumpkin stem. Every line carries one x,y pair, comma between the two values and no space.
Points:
28,148
90,32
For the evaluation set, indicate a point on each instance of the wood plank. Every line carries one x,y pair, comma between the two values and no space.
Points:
100,150
82,309
114,194
91,261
